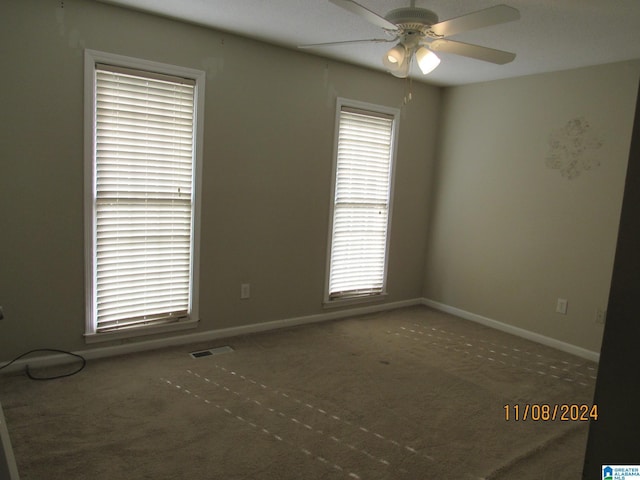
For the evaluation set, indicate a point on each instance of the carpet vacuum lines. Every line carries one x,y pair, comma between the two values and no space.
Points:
296,421
506,347
489,356
591,370
336,418
339,442
264,430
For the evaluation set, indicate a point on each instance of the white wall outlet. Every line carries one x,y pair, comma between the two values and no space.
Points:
245,290
561,306
601,316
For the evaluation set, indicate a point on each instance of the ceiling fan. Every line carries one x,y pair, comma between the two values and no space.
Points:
420,34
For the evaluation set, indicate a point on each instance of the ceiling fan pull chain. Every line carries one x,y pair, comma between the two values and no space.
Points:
408,94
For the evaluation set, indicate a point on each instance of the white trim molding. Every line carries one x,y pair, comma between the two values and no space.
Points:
520,332
365,197
224,333
206,336
8,466
187,310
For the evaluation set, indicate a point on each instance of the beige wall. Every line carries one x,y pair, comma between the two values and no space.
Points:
509,235
269,125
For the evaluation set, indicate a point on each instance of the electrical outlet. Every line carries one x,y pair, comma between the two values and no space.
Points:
245,290
561,306
601,316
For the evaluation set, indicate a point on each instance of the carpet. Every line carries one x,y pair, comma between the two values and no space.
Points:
406,394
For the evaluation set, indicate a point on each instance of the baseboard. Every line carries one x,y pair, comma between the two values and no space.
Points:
204,336
520,332
8,467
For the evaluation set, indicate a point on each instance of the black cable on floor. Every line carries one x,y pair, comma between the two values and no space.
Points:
33,377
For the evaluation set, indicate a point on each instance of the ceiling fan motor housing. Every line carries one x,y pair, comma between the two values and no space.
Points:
412,18
413,24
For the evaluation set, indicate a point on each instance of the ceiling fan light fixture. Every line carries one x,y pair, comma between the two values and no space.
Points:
402,71
427,60
397,54
416,27
394,59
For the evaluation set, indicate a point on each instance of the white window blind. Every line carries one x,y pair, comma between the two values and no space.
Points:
361,204
143,210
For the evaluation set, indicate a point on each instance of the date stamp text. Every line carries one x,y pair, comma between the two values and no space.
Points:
542,412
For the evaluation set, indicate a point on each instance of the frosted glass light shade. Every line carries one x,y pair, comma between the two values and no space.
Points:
427,60
403,70
396,54
395,58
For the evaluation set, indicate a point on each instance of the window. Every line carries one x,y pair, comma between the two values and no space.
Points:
143,152
362,192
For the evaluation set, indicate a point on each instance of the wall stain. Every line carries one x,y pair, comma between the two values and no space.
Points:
571,148
213,66
74,37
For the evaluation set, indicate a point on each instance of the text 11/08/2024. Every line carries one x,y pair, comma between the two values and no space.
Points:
542,412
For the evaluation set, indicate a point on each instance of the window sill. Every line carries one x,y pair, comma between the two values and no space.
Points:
345,302
140,331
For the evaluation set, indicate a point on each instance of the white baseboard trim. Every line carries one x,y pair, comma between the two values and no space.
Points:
204,336
8,467
520,332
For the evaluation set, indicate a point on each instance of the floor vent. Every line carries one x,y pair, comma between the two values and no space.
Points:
211,351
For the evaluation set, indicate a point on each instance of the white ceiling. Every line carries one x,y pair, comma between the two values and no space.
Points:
551,34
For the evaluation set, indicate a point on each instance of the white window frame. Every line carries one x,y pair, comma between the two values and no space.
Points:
372,109
91,58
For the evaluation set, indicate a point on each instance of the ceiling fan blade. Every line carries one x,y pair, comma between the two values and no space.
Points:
485,54
472,21
364,12
346,42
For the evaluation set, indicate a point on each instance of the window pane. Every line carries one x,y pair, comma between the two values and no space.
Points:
143,204
361,204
